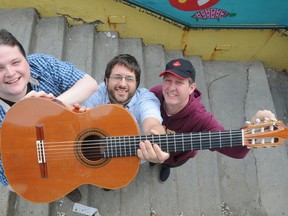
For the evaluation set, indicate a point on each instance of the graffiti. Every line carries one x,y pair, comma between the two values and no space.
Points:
192,5
205,13
126,3
212,13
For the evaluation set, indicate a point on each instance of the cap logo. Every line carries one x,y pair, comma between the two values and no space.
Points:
176,64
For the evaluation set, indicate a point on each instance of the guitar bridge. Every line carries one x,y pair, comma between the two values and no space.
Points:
41,151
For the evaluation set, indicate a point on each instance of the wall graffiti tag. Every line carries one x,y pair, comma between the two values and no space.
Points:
217,13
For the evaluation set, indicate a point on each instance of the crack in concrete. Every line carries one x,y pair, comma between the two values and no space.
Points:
257,178
246,93
209,86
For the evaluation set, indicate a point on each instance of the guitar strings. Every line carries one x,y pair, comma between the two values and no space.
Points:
116,146
140,138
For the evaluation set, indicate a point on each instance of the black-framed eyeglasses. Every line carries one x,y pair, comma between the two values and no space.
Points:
118,78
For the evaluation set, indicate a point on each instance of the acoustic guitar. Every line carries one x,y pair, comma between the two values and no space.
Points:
48,150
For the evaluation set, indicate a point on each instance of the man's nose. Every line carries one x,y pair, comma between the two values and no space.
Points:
172,86
9,71
123,81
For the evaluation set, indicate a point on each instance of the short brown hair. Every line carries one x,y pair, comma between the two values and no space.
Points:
6,38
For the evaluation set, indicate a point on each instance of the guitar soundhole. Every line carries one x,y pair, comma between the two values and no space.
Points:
89,149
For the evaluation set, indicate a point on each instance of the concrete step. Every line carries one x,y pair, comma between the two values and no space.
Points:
106,45
49,36
210,184
79,47
21,22
133,46
278,82
236,90
154,62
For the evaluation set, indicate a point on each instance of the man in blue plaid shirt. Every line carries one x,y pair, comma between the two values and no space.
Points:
37,75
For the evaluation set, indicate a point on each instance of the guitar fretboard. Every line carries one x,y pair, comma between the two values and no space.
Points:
121,146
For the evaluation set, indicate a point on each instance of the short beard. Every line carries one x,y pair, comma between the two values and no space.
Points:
113,100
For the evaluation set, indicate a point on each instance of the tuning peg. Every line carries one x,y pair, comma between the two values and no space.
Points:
248,122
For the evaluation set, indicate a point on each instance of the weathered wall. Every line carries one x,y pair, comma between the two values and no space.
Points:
267,45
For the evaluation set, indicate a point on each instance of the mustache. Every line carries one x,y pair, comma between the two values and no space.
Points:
122,88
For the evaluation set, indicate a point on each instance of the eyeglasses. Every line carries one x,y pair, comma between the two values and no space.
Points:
118,78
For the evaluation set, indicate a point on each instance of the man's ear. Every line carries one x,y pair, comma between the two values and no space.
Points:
193,87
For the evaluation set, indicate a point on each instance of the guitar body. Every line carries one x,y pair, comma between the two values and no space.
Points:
64,133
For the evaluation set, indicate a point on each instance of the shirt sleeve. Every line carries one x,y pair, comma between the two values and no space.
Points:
148,106
97,98
2,114
49,70
3,179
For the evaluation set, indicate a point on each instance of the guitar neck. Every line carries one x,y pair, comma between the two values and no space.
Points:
127,145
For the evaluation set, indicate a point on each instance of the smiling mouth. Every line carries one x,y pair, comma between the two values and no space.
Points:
120,90
171,95
13,81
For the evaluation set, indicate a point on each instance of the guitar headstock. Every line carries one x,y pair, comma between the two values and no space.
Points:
265,134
